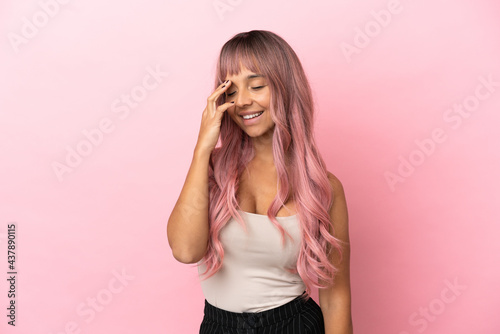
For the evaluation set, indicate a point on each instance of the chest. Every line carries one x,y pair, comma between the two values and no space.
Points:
257,189
261,245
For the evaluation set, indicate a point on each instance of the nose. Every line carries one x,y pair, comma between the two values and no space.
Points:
243,98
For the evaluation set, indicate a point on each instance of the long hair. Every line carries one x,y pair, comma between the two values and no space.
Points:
301,170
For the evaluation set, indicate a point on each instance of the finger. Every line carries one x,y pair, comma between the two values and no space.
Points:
222,88
225,106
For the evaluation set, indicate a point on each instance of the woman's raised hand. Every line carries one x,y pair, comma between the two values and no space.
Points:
211,120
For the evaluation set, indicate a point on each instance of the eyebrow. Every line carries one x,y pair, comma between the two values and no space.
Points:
251,76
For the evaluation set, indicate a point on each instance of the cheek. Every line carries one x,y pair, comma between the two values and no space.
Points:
233,116
266,101
263,102
232,113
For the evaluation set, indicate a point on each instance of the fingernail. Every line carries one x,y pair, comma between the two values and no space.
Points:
223,86
232,101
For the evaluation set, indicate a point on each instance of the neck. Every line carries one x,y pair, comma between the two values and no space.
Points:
263,146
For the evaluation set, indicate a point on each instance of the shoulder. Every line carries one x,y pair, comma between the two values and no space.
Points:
338,210
336,185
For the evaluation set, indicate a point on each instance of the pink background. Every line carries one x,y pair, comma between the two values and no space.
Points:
106,216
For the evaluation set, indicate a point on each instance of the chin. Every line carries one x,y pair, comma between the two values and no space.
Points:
257,133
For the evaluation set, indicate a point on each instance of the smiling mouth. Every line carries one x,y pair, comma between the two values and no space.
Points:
253,115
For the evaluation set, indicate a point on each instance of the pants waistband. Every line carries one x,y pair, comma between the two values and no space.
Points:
257,319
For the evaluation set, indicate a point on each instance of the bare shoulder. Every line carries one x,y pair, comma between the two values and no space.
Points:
337,186
338,210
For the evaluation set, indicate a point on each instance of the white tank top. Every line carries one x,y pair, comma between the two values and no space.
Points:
253,276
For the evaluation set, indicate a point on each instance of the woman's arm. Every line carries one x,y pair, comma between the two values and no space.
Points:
187,227
335,301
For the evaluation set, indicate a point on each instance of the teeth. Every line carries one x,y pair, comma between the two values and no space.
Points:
252,116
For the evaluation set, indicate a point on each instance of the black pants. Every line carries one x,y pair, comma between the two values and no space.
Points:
296,316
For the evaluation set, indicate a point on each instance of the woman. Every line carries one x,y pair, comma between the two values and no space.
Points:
260,214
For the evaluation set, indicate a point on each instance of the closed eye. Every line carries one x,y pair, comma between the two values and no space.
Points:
259,87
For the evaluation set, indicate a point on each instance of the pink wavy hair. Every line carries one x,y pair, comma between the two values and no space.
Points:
297,159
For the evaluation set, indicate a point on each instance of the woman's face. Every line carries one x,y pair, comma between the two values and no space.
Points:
251,95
